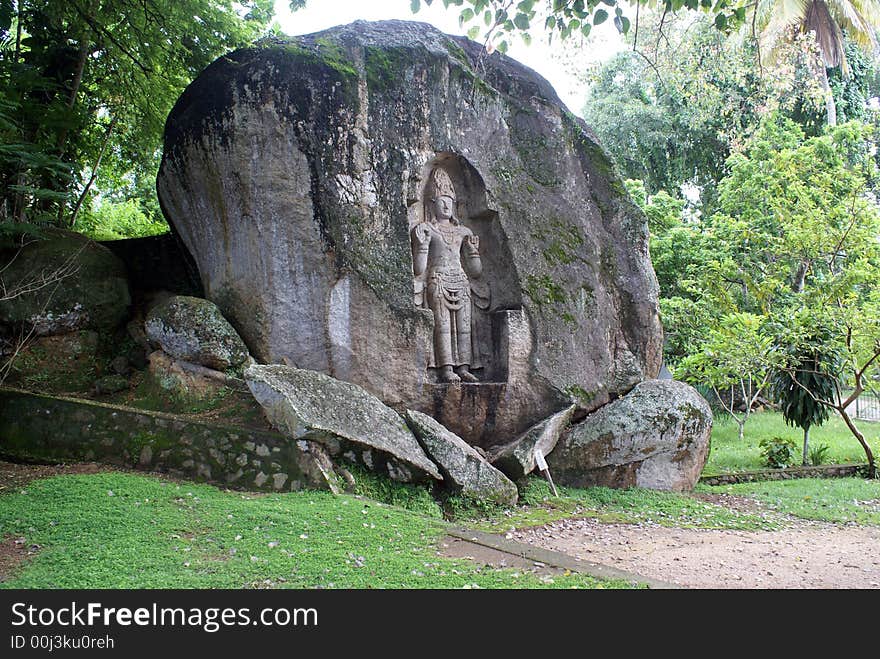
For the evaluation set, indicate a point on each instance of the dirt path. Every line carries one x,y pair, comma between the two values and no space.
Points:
803,555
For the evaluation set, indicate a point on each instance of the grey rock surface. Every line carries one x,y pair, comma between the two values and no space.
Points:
349,421
517,458
295,170
194,329
657,437
463,468
73,283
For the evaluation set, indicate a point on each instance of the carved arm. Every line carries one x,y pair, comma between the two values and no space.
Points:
421,244
471,248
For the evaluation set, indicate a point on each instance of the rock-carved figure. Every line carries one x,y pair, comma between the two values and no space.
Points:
447,268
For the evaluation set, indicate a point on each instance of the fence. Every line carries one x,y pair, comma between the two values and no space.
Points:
866,407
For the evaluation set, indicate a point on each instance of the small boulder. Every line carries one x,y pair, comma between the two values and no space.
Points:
656,436
120,365
517,458
186,387
342,416
111,384
462,466
72,283
194,330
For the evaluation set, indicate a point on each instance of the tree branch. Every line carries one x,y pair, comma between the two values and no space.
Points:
102,30
94,175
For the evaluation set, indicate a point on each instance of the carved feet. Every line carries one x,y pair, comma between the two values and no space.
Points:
460,374
465,374
448,375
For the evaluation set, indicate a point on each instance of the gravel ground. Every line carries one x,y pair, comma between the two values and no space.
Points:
803,555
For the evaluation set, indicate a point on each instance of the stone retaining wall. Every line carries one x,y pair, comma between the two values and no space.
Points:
822,471
38,428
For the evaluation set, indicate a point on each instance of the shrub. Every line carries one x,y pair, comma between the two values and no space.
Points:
109,220
818,454
778,452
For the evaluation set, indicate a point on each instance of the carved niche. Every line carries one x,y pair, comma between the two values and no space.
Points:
462,273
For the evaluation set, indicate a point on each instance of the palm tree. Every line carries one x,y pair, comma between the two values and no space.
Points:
826,20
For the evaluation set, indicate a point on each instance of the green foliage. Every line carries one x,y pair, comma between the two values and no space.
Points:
109,220
819,454
729,454
735,361
672,115
793,213
739,347
502,19
86,88
778,452
115,530
802,381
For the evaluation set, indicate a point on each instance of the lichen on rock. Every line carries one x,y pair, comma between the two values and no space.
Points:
464,469
656,436
194,329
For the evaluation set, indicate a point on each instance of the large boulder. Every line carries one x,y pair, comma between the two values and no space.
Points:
194,330
350,422
657,437
517,459
298,173
72,283
464,469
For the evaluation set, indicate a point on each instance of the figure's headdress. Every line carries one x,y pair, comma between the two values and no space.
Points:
441,184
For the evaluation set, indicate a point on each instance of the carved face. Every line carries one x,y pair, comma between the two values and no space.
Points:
443,207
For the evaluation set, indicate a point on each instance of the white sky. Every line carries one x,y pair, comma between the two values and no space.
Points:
559,65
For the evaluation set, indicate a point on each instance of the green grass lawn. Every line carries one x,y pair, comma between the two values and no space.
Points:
837,500
729,454
630,506
122,530
119,530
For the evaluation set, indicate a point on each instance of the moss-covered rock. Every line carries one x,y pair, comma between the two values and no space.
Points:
464,470
354,425
657,436
71,283
194,329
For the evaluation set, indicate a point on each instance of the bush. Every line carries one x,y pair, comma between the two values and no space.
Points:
778,452
110,220
819,454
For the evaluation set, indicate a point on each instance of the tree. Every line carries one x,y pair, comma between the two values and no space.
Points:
826,21
672,112
565,18
84,84
790,209
799,385
682,251
852,320
800,232
736,362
